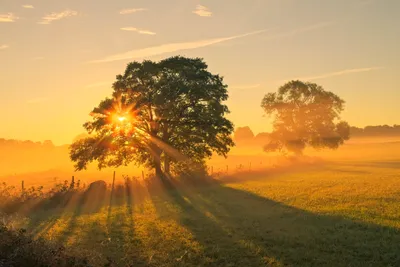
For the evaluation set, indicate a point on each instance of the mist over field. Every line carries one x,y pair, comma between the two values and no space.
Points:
342,201
199,133
44,163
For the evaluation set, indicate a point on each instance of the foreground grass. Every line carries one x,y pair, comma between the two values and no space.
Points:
337,214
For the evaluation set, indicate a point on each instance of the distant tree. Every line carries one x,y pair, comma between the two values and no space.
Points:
160,114
243,134
376,130
48,144
305,114
28,144
262,138
355,131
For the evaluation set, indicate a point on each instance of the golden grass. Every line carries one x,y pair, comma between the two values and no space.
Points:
340,212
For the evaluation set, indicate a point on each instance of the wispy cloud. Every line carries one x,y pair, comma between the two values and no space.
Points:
169,48
131,10
132,29
297,31
8,17
334,74
37,100
27,6
202,11
98,84
245,86
57,16
3,47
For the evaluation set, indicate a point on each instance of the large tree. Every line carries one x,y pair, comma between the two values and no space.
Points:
160,113
304,114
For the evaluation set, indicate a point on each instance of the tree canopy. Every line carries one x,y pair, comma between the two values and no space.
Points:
243,134
160,114
304,114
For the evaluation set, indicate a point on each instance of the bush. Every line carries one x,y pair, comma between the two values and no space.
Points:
189,169
12,200
17,248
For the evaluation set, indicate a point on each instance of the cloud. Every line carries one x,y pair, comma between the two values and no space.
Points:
202,11
57,16
131,10
334,74
9,17
339,73
146,32
297,31
27,6
3,47
98,84
169,48
37,100
245,86
138,30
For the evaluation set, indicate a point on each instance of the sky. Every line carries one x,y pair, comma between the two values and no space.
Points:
59,58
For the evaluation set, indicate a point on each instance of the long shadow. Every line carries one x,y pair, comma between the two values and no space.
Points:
219,246
107,242
250,230
234,228
261,174
45,213
116,243
134,196
110,205
88,202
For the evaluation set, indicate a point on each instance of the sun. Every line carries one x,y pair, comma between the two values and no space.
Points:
122,123
121,118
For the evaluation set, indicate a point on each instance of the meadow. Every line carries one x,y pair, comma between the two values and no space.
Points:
334,209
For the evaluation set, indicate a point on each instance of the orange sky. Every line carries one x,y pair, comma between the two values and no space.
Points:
59,58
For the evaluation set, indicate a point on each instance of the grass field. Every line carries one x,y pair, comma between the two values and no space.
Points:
333,213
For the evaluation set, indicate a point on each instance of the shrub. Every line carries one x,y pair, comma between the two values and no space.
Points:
12,200
17,248
185,169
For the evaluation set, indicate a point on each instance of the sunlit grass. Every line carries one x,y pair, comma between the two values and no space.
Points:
332,213
358,192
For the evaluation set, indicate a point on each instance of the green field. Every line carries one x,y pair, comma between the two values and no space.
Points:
337,213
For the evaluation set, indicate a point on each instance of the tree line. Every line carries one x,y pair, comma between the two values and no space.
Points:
245,135
378,130
241,136
170,115
25,144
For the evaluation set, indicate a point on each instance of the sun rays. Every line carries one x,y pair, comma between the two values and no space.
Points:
127,129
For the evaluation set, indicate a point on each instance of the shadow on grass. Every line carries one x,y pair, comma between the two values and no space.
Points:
44,213
238,228
88,202
233,228
289,165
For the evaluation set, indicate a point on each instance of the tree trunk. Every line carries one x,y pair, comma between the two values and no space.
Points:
157,161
